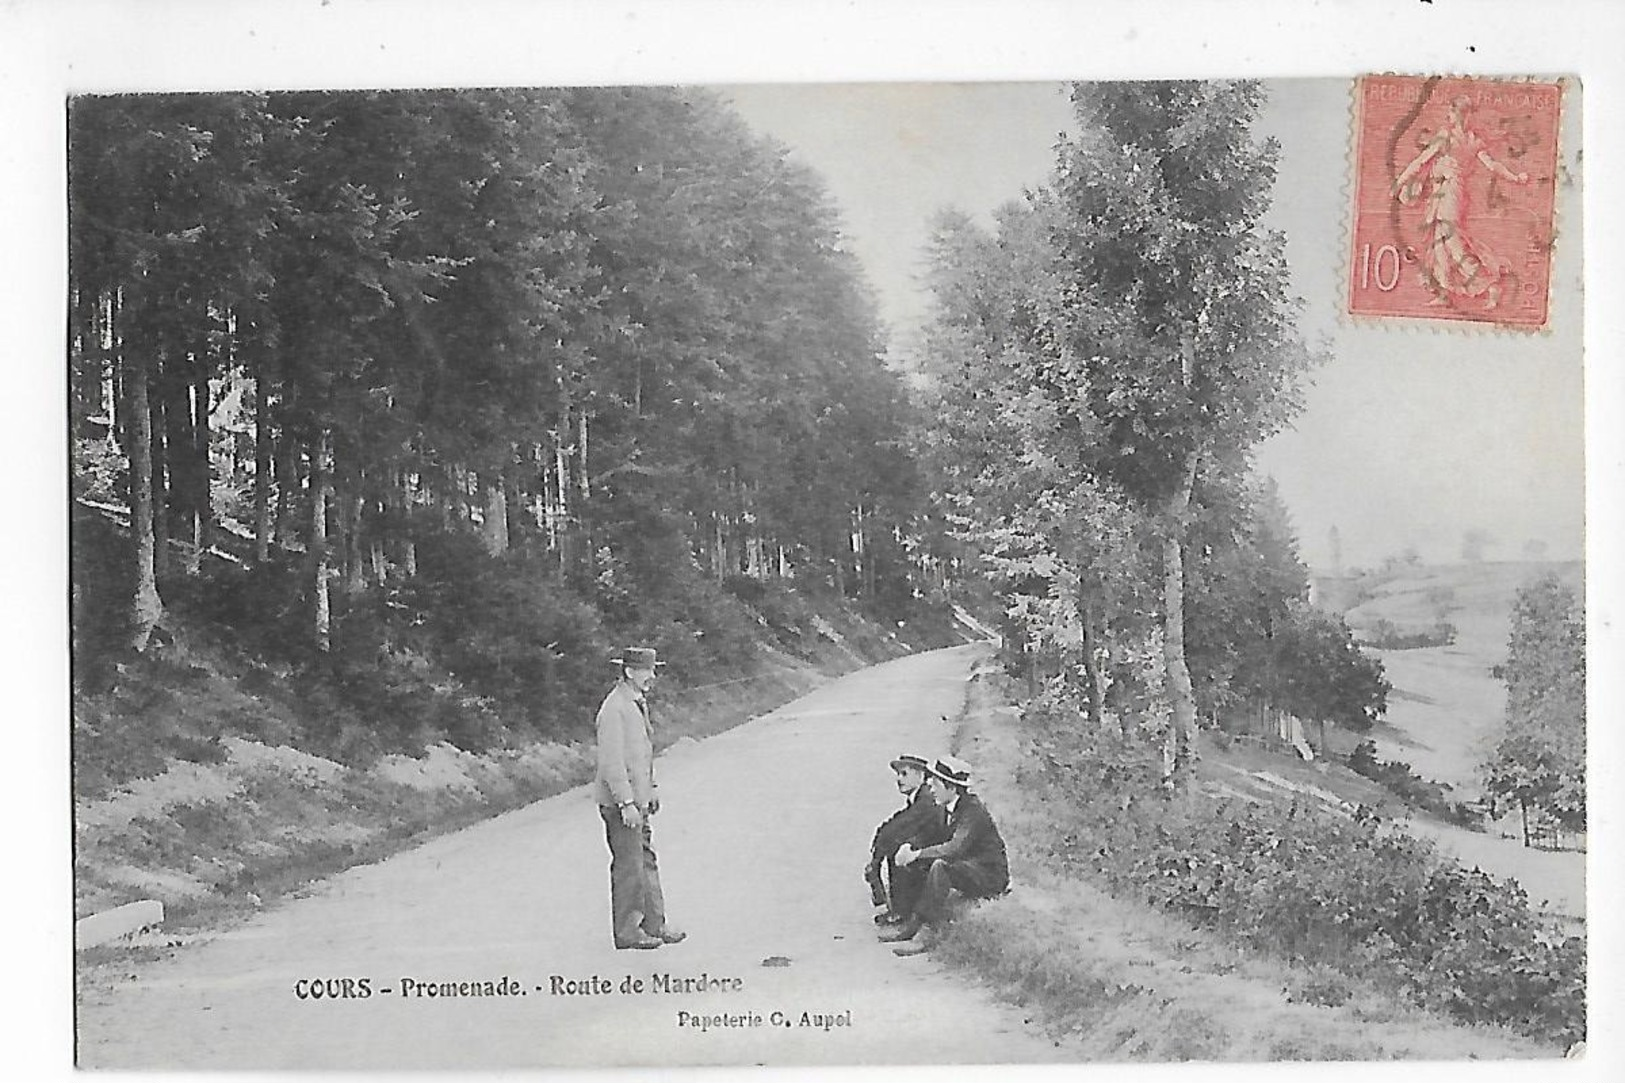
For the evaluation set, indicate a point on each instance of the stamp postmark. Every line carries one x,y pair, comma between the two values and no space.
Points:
1454,194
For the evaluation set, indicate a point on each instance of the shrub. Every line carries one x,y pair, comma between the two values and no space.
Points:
1352,895
1385,635
1416,791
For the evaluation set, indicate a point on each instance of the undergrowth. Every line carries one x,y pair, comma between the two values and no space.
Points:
1350,895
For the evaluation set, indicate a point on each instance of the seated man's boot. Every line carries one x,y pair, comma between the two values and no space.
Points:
905,931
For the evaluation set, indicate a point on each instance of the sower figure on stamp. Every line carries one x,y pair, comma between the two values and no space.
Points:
971,862
626,800
919,823
1455,264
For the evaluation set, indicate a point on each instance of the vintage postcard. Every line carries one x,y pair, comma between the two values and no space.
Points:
524,664
673,571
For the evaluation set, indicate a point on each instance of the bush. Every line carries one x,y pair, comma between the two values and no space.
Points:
1385,635
1416,791
508,630
1350,895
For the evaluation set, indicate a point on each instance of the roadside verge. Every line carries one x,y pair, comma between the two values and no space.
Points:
1133,983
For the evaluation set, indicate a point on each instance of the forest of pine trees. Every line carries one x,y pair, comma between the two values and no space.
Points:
578,360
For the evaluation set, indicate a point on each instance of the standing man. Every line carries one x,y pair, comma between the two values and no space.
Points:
972,861
626,800
918,823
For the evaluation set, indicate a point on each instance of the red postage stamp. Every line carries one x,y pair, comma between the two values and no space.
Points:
1455,183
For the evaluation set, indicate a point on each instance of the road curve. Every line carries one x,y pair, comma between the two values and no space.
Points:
761,841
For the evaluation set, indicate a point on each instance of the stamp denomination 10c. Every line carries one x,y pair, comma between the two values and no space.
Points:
1454,189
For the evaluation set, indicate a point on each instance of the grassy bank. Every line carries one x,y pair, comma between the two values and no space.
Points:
1135,982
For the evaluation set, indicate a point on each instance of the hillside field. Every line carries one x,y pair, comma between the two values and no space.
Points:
1445,710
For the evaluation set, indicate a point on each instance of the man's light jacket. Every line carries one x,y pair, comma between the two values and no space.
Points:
625,748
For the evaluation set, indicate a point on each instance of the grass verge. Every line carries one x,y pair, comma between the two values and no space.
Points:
1124,981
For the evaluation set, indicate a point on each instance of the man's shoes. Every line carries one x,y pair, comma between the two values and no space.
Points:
642,942
890,917
670,935
908,947
904,931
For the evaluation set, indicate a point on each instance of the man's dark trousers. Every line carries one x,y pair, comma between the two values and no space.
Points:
634,878
903,885
945,877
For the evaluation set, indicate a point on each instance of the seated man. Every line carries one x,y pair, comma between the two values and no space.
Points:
918,823
972,861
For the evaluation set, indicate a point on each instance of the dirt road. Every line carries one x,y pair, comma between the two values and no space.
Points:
761,841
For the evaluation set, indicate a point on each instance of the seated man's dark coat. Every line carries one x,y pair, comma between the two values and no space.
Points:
974,849
919,823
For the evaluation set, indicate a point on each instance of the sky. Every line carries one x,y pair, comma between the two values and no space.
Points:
1409,437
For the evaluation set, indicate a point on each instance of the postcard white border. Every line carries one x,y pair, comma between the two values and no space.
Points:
49,49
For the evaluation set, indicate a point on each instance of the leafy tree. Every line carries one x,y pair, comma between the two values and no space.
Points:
1097,369
1540,760
1179,332
1063,544
1325,677
1256,643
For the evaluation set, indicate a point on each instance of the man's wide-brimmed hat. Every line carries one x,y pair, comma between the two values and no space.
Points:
909,759
953,770
638,658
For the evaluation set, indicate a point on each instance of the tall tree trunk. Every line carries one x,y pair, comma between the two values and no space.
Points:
494,529
194,558
338,541
287,469
520,526
351,508
403,521
180,462
867,548
583,481
588,547
162,477
262,469
86,363
719,549
146,607
561,489
1181,696
321,488
202,501
1094,689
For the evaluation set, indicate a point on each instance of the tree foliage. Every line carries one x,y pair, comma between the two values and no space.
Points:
609,334
1539,762
1098,367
